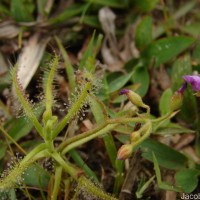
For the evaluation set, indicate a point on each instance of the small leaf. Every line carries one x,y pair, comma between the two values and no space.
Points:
143,187
18,128
164,104
36,176
166,156
89,56
165,49
67,14
172,129
68,66
80,162
187,179
161,184
141,77
21,10
143,33
145,5
192,29
92,21
119,82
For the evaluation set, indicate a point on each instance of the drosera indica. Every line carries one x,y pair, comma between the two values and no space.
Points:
51,126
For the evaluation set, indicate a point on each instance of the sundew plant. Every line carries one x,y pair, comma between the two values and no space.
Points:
99,99
50,127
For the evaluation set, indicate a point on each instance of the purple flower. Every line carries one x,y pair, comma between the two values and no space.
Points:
183,87
194,80
124,91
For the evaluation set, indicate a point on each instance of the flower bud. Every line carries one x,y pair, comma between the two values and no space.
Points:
124,152
135,136
134,98
176,101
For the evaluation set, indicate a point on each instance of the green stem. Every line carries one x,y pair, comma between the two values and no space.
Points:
98,128
68,167
160,119
74,109
90,137
56,186
33,152
80,136
50,145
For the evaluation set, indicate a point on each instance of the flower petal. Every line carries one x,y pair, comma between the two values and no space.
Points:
194,80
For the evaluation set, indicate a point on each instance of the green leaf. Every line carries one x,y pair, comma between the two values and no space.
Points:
92,21
166,156
180,12
21,10
88,52
79,161
110,3
96,110
192,29
68,66
165,49
36,176
164,104
18,128
89,56
185,8
172,129
143,32
161,184
196,52
99,114
10,194
123,138
157,169
119,82
67,14
143,187
145,5
187,179
141,76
